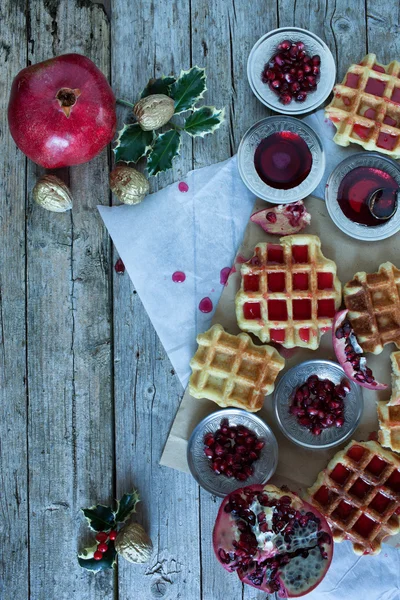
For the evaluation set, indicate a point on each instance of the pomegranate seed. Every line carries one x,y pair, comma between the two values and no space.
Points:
259,445
286,98
307,69
293,51
300,45
306,58
301,55
315,70
113,534
316,60
241,476
285,45
119,267
270,74
102,547
98,555
295,87
276,84
300,74
316,430
339,422
289,77
301,97
219,450
101,536
209,452
312,80
279,60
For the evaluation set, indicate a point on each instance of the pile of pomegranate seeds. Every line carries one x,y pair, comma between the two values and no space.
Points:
319,404
291,73
232,450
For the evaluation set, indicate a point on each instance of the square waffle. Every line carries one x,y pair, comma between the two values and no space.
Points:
359,494
366,107
374,307
232,371
289,292
389,412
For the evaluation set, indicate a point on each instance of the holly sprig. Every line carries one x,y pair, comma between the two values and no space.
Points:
104,521
160,148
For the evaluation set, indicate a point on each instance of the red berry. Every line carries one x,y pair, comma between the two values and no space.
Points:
98,555
113,534
102,547
101,536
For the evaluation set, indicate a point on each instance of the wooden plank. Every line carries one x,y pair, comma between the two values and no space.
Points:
383,29
14,551
223,35
149,40
69,359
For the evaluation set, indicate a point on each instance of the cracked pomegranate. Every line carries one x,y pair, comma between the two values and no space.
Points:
292,73
232,450
284,219
275,541
350,354
61,111
318,404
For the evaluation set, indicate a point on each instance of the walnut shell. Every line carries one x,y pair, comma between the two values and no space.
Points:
51,193
154,111
128,184
133,543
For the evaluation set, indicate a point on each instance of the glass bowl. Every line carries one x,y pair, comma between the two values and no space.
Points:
219,485
252,139
332,436
355,230
267,46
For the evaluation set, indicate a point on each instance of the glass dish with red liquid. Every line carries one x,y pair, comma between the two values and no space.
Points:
348,194
281,159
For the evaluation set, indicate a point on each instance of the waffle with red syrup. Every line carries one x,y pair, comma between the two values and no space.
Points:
359,494
232,371
366,107
373,300
289,292
389,412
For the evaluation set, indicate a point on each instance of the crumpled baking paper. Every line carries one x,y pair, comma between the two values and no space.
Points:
198,232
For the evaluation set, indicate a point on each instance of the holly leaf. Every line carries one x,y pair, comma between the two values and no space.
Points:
161,85
86,560
204,120
188,89
126,506
99,517
164,150
132,143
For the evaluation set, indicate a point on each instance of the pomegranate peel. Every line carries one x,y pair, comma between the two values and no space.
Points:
350,355
275,541
284,219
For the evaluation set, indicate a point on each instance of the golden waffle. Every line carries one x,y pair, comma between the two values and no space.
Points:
359,494
289,292
389,412
366,107
374,307
232,371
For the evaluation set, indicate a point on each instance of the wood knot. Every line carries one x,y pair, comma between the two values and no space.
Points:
158,588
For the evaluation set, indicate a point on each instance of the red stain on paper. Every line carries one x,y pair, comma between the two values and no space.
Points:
206,305
183,186
178,277
224,275
287,352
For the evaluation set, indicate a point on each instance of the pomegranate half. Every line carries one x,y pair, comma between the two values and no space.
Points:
275,541
350,354
61,111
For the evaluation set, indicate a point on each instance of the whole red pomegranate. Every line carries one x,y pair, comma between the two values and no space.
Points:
275,541
61,111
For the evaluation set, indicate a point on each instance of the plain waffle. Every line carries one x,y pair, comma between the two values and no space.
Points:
389,412
374,307
359,494
366,107
232,371
289,292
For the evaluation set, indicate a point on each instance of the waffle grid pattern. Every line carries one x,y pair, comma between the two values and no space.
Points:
373,301
362,116
302,325
232,371
379,504
389,412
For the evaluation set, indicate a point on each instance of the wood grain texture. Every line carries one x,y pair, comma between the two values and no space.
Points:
71,447
87,393
14,507
147,392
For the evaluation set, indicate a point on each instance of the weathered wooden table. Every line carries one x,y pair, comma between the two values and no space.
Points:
87,394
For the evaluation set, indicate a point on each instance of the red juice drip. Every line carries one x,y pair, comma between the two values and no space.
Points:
206,305
183,186
224,275
283,160
178,277
356,188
